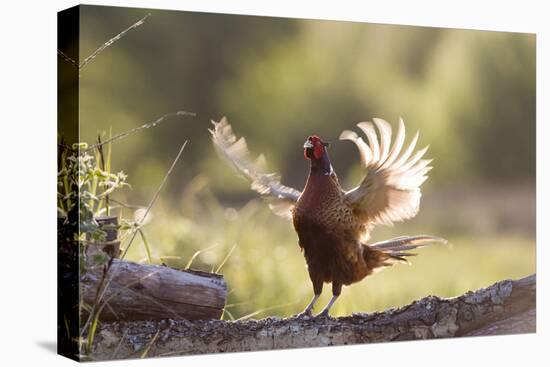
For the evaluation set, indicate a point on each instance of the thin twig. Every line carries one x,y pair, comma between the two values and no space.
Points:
153,200
67,58
225,259
129,132
144,354
111,41
197,253
265,309
94,312
115,314
144,126
120,343
229,305
225,311
102,162
102,47
127,206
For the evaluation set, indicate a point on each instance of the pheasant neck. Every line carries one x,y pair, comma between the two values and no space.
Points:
321,166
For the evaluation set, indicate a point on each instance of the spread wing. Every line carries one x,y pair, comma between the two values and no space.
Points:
390,190
235,151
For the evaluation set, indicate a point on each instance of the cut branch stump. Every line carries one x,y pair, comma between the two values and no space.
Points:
151,292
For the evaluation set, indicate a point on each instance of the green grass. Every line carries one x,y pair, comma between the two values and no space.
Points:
266,272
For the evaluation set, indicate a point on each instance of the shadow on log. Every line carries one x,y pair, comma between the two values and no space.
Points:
506,307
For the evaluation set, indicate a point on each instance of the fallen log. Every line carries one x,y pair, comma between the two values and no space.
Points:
504,308
152,292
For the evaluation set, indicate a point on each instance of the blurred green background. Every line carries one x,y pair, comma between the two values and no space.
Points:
470,93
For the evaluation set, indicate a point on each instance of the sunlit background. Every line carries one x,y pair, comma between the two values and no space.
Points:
470,93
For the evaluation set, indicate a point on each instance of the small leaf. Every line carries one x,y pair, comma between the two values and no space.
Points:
99,235
100,258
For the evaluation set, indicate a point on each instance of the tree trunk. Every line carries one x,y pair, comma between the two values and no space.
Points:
506,307
151,292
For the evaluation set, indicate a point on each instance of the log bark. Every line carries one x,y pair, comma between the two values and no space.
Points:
504,308
151,292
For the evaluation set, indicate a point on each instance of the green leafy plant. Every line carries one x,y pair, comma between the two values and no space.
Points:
84,185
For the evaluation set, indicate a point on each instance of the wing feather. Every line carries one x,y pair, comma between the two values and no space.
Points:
397,145
390,191
385,137
235,151
403,158
369,131
415,158
364,150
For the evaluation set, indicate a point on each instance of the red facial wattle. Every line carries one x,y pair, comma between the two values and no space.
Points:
314,145
318,150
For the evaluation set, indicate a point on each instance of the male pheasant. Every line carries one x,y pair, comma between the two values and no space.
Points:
334,225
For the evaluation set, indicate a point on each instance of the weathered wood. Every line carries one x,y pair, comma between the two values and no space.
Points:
524,322
152,292
503,308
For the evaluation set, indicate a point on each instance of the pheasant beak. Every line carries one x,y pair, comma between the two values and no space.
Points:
308,144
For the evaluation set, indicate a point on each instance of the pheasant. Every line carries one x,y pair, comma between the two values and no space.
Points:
334,225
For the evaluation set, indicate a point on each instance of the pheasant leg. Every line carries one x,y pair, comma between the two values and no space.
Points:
325,311
308,311
336,290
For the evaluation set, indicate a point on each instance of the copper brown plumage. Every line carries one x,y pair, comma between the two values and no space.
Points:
333,225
